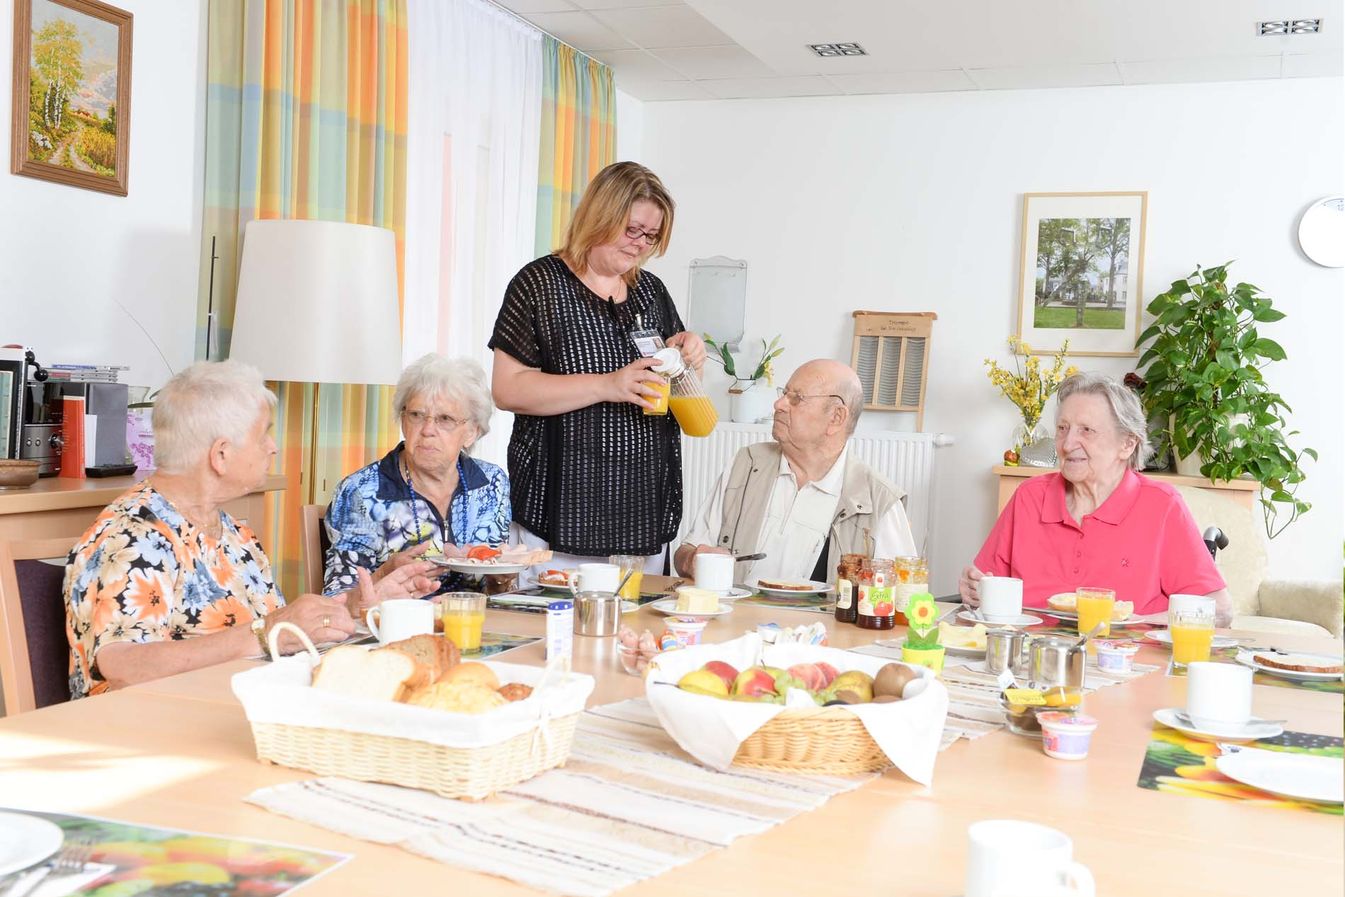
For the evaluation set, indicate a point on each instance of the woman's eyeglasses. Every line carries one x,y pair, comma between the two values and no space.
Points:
795,398
418,420
637,233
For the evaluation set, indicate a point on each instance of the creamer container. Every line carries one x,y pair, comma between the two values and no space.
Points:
693,409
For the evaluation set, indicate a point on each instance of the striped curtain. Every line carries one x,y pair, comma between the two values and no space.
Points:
578,135
305,118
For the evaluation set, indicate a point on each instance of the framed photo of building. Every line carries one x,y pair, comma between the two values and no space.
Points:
1082,272
72,93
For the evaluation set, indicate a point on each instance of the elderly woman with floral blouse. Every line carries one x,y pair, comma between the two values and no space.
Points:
166,581
427,494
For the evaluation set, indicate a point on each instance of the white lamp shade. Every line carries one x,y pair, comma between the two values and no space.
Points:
317,302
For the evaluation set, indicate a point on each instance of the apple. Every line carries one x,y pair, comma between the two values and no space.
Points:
703,682
1011,458
724,671
829,672
808,674
756,682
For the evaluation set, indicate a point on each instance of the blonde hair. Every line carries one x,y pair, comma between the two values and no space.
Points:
207,401
605,209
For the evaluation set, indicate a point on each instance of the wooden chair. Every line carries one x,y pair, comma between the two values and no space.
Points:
34,651
315,547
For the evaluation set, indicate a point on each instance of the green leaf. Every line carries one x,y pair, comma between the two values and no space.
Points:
1268,348
1265,314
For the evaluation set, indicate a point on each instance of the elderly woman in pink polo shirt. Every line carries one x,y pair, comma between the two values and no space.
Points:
1099,522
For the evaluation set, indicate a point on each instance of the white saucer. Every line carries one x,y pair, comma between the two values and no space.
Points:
1246,658
966,616
1252,730
1297,776
815,588
26,840
669,606
473,568
1163,637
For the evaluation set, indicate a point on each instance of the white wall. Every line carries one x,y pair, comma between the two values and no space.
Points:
629,126
68,255
914,202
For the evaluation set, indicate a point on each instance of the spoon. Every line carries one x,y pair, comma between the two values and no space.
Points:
1189,721
750,557
1083,639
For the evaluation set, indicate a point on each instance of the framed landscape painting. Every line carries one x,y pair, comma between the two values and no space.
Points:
1081,275
72,93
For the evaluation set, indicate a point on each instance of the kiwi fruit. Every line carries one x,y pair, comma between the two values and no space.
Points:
892,680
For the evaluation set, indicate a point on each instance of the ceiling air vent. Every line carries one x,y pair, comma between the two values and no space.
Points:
849,48
1284,27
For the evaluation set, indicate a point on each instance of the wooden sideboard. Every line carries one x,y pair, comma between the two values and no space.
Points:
1242,491
55,508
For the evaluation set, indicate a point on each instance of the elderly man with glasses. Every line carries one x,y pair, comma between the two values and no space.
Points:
802,500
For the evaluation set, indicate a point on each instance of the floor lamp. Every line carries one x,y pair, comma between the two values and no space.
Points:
317,303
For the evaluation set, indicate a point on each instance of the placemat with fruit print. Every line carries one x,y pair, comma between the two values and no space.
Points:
1230,655
629,804
497,642
1178,764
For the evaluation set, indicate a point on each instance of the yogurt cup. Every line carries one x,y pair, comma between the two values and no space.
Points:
1065,736
687,632
1115,656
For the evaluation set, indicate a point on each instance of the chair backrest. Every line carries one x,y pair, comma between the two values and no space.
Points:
34,650
316,544
1243,563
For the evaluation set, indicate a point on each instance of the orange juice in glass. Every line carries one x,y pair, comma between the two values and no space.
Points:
464,616
1192,632
660,402
1094,606
632,565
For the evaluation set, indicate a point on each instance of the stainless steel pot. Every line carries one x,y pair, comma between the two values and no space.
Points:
1055,661
999,654
597,613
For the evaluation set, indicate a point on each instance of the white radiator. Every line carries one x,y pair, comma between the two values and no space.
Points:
907,459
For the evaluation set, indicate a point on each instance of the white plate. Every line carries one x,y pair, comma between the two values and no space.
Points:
1245,657
26,840
815,588
669,606
1300,776
959,651
1073,615
1252,730
1162,636
479,569
966,616
732,594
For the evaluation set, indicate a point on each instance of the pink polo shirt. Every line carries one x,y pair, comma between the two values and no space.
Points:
1141,542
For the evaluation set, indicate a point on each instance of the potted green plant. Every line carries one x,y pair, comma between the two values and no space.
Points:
1205,373
750,397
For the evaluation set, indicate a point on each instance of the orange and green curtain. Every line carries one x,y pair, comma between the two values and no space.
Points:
578,135
305,118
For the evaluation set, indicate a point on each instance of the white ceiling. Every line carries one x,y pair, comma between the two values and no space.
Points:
723,49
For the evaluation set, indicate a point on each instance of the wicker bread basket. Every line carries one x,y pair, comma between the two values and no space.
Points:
822,742
470,772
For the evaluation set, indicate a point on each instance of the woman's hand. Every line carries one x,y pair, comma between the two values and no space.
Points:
968,586
629,383
692,348
402,558
410,580
322,620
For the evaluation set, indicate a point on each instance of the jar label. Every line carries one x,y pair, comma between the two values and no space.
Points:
844,593
904,591
876,601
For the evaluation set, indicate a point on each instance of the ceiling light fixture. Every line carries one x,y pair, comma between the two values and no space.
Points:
846,48
1284,27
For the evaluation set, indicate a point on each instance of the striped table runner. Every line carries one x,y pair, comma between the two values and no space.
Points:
628,805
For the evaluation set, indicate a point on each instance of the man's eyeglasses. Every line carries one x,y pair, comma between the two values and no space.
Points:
636,233
418,419
795,398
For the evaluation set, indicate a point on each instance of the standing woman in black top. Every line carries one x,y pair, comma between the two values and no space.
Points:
591,475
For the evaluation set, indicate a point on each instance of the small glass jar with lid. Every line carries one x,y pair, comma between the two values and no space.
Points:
847,584
875,609
912,575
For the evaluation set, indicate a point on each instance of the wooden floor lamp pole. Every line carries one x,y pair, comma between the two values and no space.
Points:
312,497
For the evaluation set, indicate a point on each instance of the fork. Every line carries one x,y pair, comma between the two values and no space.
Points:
69,860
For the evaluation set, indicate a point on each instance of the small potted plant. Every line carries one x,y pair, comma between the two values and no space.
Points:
922,645
750,397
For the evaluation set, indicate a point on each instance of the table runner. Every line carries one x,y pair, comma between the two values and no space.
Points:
807,603
1230,655
628,805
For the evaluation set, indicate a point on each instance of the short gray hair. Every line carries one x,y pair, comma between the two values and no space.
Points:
852,394
1126,410
459,380
207,401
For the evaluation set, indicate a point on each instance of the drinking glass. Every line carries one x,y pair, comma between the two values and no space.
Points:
464,615
634,565
1094,606
1192,632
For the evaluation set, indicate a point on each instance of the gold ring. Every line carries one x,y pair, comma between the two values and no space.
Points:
326,622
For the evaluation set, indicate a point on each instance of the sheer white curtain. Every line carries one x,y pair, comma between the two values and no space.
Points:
474,95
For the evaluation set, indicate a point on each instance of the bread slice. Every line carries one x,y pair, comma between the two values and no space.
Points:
785,586
1299,663
381,675
437,653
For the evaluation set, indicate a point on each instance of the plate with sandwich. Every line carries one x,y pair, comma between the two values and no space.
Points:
1293,665
1062,607
784,588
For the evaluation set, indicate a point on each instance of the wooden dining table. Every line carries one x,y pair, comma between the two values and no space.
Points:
178,753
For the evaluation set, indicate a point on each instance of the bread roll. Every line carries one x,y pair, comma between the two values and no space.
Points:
437,653
457,697
473,672
515,691
381,675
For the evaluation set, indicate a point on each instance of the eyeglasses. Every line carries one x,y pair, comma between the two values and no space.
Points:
418,420
796,397
636,233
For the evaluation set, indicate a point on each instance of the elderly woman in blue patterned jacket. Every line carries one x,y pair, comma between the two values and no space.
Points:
427,494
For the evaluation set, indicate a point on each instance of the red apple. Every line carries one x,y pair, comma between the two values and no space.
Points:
829,672
755,682
724,671
813,679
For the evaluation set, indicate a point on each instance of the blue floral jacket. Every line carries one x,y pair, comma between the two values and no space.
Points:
373,516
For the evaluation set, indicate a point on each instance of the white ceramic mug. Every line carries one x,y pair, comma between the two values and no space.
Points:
714,572
595,578
1219,692
1191,604
1008,858
400,618
1001,598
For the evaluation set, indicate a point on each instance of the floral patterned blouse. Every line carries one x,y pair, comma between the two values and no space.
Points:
143,573
376,513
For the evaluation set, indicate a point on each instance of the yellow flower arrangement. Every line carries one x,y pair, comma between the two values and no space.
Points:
1028,386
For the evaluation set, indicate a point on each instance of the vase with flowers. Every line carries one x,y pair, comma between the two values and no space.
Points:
1029,387
751,396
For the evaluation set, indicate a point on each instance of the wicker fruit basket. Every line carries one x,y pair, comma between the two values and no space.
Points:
451,754
825,741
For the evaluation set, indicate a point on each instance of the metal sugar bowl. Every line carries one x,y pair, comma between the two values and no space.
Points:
597,613
1055,661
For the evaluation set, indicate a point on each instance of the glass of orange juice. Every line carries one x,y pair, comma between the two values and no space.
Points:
464,615
1094,606
1192,632
632,565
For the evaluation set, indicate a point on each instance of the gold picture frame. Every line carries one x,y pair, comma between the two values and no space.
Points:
72,93
1081,276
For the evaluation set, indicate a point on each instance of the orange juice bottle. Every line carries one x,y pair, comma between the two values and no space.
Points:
688,402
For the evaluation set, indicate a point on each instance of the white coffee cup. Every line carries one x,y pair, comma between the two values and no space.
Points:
595,578
1190,604
1008,858
1219,692
714,572
1001,598
400,618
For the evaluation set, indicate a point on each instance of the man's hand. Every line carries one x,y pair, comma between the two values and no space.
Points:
968,586
691,346
321,619
402,558
684,560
